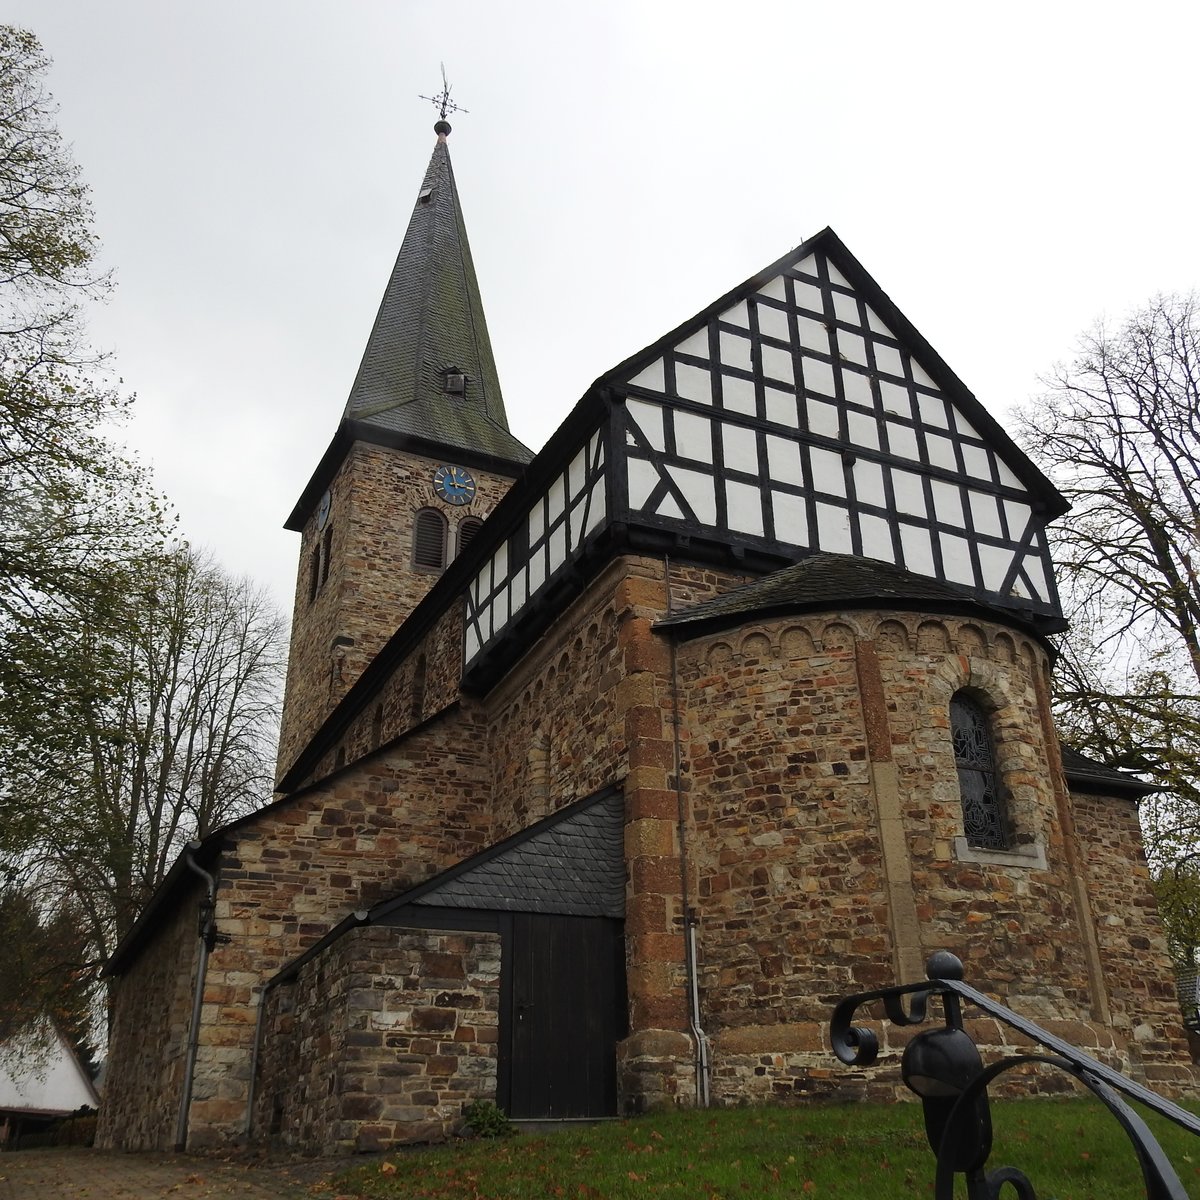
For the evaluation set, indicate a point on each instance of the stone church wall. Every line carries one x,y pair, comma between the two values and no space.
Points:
148,1041
380,1040
826,841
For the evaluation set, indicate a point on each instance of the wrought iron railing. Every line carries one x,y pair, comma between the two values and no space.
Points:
944,1067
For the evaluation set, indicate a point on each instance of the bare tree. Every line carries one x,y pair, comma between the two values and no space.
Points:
144,722
1119,431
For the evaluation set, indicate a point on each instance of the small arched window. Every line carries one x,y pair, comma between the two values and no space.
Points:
985,821
468,527
429,540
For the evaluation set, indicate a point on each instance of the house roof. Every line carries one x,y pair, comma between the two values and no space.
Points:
430,321
829,581
40,1074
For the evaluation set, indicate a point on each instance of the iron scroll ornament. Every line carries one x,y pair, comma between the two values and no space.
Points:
943,1066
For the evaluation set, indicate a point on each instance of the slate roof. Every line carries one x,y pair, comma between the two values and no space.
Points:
1085,774
573,866
825,581
431,318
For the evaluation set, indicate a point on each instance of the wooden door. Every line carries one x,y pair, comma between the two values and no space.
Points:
565,991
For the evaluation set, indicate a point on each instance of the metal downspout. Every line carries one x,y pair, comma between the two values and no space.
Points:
207,932
690,918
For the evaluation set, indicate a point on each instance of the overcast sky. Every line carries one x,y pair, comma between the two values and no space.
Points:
1008,173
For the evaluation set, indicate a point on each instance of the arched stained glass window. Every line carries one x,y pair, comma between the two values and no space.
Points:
429,539
985,822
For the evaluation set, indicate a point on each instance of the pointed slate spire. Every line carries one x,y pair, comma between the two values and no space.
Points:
428,370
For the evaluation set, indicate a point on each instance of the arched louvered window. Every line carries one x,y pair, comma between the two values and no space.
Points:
429,540
468,527
985,821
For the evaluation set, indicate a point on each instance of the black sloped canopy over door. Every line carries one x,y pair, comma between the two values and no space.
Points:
565,993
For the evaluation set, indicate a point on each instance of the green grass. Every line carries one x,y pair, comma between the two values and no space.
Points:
1070,1149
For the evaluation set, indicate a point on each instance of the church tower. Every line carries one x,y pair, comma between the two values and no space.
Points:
422,454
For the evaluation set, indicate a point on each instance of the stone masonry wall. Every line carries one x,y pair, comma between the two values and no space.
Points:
827,840
380,1040
371,585
1141,989
147,1043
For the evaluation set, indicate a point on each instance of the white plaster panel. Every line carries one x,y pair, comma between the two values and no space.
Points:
776,289
920,375
599,505
791,518
537,522
932,410
576,522
833,529
737,394
1018,518
740,447
994,563
947,503
822,418
698,490
918,550
877,326
977,462
537,570
985,514
693,383
909,493
556,499
941,451
693,437
743,504
783,460
648,420
857,388
500,610
813,335
902,441
773,322
500,565
868,483
835,276
895,399
876,537
556,553
651,377
818,376
577,474
642,480
781,407
845,308
889,359
472,642
956,559
964,426
695,345
862,430
735,350
827,473
1007,477
809,297
737,315
777,364
669,507
852,347
1036,571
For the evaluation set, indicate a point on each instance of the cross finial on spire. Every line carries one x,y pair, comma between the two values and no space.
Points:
444,104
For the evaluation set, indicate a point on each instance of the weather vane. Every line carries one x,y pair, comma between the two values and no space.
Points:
442,99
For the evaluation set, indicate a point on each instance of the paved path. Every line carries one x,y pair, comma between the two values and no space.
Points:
104,1175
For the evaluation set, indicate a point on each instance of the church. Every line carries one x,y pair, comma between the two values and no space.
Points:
605,771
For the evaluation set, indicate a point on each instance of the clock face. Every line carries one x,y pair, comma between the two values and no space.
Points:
323,510
454,485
